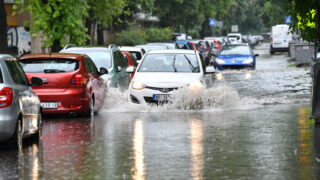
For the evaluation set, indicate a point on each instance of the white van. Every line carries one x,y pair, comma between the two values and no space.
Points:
235,38
280,38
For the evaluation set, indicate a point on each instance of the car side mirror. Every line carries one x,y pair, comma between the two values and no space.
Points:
256,55
35,81
103,71
210,70
130,69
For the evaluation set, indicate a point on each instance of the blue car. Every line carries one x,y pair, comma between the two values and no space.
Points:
235,56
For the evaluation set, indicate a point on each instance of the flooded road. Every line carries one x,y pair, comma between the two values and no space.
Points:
244,125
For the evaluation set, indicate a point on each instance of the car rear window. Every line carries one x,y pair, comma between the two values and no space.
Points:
49,65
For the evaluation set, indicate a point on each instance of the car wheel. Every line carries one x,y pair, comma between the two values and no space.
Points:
90,113
39,133
18,134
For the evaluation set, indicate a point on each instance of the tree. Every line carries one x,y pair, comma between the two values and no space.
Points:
102,13
56,21
3,29
306,17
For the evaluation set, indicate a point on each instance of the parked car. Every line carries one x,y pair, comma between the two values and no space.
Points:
184,44
20,109
204,48
131,61
280,38
71,82
235,37
169,45
147,47
160,72
110,58
136,52
235,56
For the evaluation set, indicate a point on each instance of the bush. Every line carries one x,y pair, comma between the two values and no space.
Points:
158,34
130,38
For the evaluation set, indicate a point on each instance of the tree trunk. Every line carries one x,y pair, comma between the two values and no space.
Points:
3,28
100,35
56,47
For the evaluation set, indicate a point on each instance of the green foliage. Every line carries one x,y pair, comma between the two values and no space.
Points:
56,20
130,38
306,17
158,34
106,11
274,12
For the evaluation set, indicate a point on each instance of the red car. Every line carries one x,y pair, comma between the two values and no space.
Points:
71,82
131,60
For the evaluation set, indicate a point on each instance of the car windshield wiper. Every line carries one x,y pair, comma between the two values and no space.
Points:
173,64
53,71
193,69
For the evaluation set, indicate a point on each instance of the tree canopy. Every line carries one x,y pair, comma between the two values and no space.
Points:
306,17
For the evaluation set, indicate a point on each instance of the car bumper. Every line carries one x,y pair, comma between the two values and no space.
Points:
75,100
234,66
8,120
145,96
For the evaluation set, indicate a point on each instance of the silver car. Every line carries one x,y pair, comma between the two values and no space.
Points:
20,110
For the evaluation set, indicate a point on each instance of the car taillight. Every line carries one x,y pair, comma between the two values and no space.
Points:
78,79
270,39
6,97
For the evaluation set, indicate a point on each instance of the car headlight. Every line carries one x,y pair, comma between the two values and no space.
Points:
137,85
248,61
196,85
219,61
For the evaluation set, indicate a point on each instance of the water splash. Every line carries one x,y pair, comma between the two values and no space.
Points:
184,99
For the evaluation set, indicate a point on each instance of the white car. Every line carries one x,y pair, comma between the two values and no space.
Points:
163,71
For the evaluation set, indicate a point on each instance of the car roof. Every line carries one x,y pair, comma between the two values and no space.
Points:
172,51
130,48
70,49
52,55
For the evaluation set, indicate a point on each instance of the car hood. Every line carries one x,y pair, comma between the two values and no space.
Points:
168,80
232,58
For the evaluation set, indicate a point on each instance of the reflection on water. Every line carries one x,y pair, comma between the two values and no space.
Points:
197,149
138,151
274,143
305,147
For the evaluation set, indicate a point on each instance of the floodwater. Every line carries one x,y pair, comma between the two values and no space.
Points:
244,125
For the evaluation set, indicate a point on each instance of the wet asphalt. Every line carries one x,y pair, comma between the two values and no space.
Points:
258,128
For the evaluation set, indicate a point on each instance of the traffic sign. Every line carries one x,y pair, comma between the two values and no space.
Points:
212,22
288,20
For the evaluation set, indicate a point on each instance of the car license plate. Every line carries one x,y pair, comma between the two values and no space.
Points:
49,105
161,97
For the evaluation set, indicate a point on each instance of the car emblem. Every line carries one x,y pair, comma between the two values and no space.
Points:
165,90
234,61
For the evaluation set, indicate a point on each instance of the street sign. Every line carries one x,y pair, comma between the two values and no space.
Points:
288,20
219,24
212,22
234,28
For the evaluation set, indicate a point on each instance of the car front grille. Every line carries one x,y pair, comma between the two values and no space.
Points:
150,100
164,90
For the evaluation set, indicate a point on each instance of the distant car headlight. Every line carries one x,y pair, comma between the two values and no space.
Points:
137,85
195,85
219,61
248,61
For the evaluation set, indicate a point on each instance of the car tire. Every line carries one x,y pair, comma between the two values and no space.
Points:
272,51
17,138
90,113
40,127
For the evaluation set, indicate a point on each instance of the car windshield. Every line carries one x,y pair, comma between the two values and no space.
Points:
235,50
186,63
99,58
49,65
